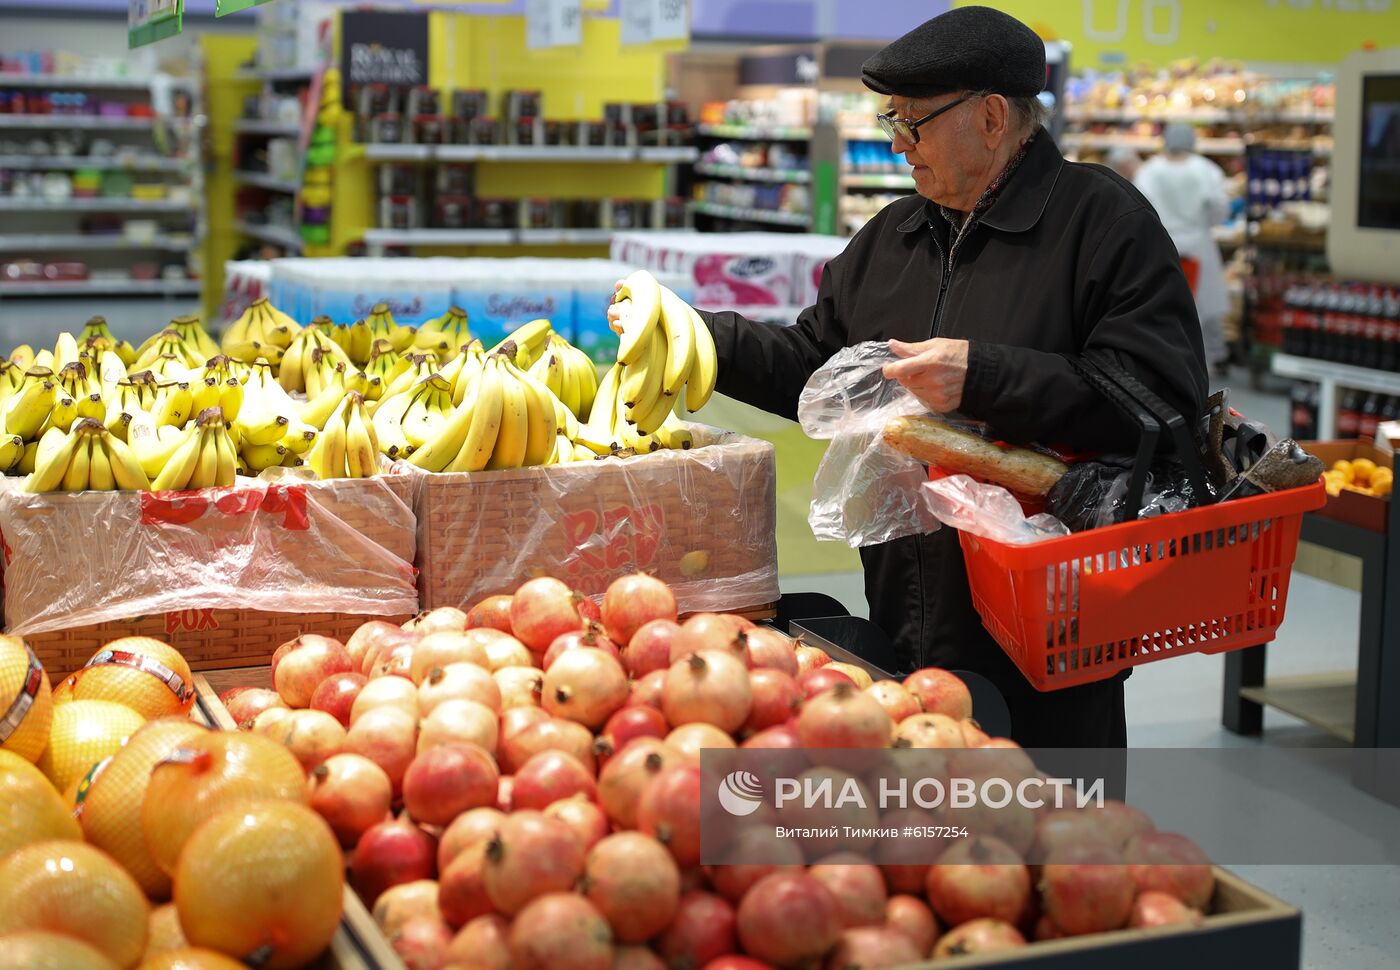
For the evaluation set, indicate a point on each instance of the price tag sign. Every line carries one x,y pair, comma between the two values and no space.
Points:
645,21
553,23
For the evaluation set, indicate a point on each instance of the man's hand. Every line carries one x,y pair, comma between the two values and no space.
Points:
615,311
933,371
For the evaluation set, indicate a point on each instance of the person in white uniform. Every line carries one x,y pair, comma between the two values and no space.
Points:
1188,191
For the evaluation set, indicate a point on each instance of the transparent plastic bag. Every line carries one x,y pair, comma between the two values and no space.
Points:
864,492
989,511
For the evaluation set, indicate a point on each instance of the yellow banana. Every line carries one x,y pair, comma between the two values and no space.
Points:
327,457
643,385
228,458
11,451
43,360
427,413
704,371
126,468
206,466
111,373
680,342
639,297
473,361
91,406
27,460
361,450
51,466
542,418
259,457
530,340
299,438
388,423
598,433
22,356
65,351
674,434
64,413
175,405
179,469
29,408
485,402
100,476
513,440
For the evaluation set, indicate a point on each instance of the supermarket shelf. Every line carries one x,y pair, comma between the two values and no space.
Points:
525,153
865,180
1205,146
250,126
1201,116
753,174
71,163
439,237
1326,701
263,181
288,239
279,74
754,132
668,153
1330,378
109,287
752,215
19,243
564,237
74,121
864,134
94,205
90,83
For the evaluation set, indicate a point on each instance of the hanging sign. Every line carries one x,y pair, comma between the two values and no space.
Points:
222,8
148,21
382,47
644,21
553,23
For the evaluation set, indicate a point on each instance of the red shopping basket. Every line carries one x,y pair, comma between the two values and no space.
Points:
1081,608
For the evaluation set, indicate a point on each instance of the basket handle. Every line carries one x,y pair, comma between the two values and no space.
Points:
1147,424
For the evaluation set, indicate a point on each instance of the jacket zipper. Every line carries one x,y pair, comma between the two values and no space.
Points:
946,262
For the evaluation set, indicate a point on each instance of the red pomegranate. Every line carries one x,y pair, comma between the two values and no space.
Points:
313,736
733,961
519,686
709,686
928,731
1152,908
516,719
299,666
585,686
635,956
592,636
583,817
531,854
446,781
561,929
553,734
492,613
1172,864
336,695
691,739
973,735
387,736
459,722
626,775
781,741
633,601
439,619
776,698
703,930
978,936
894,698
820,680
650,647
857,885
386,692
940,692
633,881
389,854
844,717
483,944
983,877
460,682
244,704
462,887
628,724
711,631
351,793
543,609
911,916
770,649
422,943
1123,821
734,882
1045,929
447,647
399,904
788,918
394,662
549,776
373,638
503,793
669,811
478,825
1087,889
1058,828
870,947
647,689
810,658
504,651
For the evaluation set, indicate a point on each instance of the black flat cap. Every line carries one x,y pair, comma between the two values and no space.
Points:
965,49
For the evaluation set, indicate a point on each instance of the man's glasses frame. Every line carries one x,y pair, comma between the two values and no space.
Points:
909,130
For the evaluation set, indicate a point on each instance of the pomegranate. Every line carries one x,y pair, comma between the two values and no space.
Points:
650,647
1124,821
530,855
703,930
983,877
459,722
437,620
387,736
299,666
549,776
990,759
821,680
1013,823
351,793
782,740
1152,908
519,686
734,882
711,631
585,686
393,692
859,675
445,781
482,945
1087,889
583,817
691,739
906,879
389,854
503,793
711,687
636,957
973,735
394,662
313,736
1045,929
858,887
590,637
736,962
336,695
776,698
493,613
561,929
928,731
373,638
541,610
871,947
626,775
468,829
633,601
844,717
516,719
912,917
553,734
506,651
267,721
979,936
1172,864
940,692
399,904
462,887
647,690
633,881
895,699
246,703
1057,828
809,658
771,650
422,943
669,811
459,681
443,648
628,724
847,810
788,918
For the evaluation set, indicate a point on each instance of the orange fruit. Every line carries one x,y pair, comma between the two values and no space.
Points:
148,676
26,703
163,931
192,958
41,950
30,810
110,809
73,888
262,877
204,776
82,734
63,692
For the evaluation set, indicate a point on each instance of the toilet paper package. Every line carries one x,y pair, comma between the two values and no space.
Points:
501,294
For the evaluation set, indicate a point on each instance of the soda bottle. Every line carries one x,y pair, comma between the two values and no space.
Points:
1303,421
1370,417
1349,415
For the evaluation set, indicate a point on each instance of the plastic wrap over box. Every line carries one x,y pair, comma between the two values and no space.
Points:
702,520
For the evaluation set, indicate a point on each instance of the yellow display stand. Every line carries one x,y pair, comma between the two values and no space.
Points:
224,93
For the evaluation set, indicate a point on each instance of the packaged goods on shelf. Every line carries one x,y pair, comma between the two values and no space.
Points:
347,289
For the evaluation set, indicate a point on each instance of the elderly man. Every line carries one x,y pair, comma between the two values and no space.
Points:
1008,263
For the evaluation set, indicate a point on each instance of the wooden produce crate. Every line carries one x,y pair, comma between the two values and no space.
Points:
1370,512
358,944
702,520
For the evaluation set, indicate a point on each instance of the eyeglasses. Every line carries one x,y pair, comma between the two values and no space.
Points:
909,130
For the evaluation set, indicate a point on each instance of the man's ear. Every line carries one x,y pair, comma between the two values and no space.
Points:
996,119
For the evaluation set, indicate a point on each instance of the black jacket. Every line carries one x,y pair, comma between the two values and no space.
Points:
1067,257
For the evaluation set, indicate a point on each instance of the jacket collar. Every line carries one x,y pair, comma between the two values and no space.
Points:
1021,202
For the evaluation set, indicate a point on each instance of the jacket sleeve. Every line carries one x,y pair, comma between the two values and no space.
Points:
1131,299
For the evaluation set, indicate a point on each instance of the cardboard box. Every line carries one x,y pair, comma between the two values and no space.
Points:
1371,512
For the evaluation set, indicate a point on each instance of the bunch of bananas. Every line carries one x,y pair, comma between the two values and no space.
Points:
529,340
383,326
84,458
96,338
347,447
664,347
569,373
446,336
26,413
609,432
262,331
